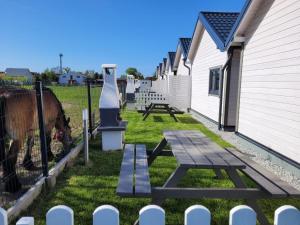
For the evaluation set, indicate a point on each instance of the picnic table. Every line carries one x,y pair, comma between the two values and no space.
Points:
193,150
160,108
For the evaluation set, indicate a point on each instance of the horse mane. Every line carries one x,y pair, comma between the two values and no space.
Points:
59,104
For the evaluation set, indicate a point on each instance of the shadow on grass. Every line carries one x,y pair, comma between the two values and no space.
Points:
187,120
158,119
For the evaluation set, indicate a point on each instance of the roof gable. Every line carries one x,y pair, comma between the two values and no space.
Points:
185,45
171,58
219,25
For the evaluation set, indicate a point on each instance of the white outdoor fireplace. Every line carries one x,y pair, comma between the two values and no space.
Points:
111,125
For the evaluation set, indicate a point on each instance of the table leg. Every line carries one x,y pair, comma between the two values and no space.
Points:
238,182
172,181
148,112
218,173
171,113
156,152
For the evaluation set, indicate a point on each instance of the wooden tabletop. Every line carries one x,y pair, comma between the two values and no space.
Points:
194,150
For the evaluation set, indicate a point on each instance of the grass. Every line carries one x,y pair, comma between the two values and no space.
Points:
84,188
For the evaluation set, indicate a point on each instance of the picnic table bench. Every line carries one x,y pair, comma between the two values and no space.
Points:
160,108
193,150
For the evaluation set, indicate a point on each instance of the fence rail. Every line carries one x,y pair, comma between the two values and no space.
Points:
155,215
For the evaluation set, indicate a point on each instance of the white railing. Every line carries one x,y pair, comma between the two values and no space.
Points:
176,91
146,98
155,215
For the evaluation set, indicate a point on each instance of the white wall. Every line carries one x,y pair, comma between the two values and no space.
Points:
182,70
270,87
207,56
179,92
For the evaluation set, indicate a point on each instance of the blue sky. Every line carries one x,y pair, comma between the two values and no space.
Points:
130,33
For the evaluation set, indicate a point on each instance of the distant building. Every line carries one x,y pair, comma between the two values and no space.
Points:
72,78
19,72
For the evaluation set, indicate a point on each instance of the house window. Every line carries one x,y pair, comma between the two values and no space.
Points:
214,81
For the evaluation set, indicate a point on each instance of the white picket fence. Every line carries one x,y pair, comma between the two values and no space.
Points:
155,215
174,91
143,99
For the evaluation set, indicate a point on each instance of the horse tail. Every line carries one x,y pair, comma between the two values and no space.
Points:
2,129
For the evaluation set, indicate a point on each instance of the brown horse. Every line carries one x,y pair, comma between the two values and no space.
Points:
19,120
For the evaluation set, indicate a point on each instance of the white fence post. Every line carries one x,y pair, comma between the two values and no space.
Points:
106,215
60,215
287,215
197,215
242,215
152,215
85,135
25,221
3,217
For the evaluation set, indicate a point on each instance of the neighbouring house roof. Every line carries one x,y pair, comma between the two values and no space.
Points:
164,64
219,25
182,49
17,72
171,56
160,69
185,44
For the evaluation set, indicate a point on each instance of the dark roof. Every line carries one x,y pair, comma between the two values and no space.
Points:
219,25
171,56
185,44
165,61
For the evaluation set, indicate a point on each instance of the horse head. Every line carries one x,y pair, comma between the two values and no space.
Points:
63,131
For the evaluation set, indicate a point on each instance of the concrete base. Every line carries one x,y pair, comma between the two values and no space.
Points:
112,140
130,106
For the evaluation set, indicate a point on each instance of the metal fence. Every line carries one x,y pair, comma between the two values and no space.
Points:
38,127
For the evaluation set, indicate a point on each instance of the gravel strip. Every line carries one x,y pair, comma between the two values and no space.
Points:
249,149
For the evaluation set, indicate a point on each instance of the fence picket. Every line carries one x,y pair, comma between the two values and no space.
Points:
106,215
60,215
151,215
197,215
287,215
25,221
242,215
3,217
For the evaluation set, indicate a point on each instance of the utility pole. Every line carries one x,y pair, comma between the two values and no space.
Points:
60,63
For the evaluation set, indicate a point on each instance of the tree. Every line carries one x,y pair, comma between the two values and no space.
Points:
49,76
67,69
133,71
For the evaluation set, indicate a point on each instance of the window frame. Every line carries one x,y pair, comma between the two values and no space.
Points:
212,83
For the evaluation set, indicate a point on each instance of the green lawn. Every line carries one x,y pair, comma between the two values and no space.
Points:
85,188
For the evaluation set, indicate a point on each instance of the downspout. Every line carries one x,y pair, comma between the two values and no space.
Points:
221,90
189,68
184,63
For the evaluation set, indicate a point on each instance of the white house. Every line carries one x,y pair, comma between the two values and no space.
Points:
210,61
181,65
72,78
268,91
19,72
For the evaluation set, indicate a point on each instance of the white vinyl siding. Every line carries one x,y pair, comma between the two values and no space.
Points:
207,56
270,87
182,70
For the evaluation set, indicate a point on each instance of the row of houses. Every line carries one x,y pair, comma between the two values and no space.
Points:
64,79
244,69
